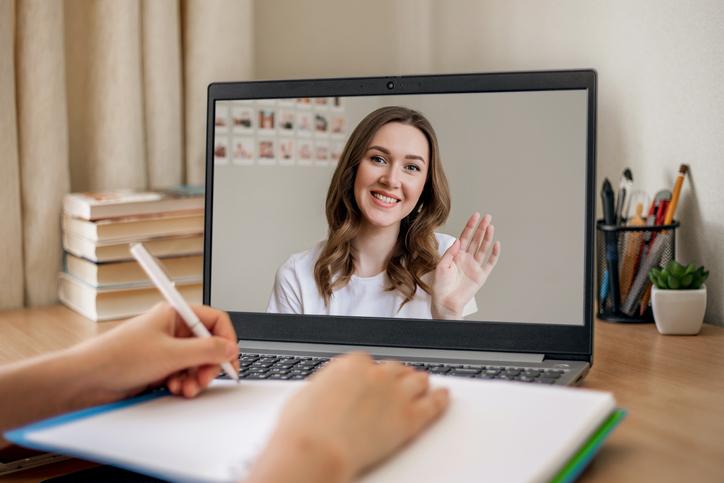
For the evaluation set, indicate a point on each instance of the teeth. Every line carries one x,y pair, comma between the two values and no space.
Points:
384,198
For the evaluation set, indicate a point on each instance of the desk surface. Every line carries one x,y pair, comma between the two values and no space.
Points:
671,386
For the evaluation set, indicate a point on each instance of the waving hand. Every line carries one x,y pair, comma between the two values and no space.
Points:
464,268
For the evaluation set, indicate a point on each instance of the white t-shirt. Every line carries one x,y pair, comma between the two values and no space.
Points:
295,291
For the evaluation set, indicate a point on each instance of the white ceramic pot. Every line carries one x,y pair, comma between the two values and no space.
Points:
679,312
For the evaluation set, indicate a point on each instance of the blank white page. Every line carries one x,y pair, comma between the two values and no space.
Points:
492,431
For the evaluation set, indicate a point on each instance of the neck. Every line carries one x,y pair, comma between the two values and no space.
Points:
374,247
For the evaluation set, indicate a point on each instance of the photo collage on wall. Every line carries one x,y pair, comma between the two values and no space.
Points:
307,131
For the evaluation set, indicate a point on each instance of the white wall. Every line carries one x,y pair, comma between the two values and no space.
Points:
660,66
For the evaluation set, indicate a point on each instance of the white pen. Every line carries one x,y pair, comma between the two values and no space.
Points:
167,288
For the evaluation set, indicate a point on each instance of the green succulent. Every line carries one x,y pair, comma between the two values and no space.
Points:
675,276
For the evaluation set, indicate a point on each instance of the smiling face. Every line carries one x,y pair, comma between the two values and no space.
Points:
391,175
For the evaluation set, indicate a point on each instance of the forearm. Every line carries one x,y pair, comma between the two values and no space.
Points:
45,386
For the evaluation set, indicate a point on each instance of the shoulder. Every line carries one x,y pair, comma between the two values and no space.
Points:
444,241
294,280
300,262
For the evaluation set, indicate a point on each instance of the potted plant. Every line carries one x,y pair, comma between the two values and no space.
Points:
678,298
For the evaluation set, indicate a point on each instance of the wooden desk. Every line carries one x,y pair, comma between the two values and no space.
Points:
672,388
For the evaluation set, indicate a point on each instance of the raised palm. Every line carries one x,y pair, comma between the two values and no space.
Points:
464,268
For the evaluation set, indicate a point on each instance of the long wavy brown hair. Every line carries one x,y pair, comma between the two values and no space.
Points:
416,252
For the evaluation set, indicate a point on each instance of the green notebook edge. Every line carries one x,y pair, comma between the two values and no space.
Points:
575,466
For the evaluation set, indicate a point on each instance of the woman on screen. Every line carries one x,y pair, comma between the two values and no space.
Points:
382,257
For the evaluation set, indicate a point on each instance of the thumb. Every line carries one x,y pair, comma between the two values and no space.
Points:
197,351
449,255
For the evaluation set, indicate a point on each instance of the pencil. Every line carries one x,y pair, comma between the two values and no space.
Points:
676,194
668,218
631,251
645,299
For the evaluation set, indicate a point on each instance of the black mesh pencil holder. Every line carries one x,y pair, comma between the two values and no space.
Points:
633,251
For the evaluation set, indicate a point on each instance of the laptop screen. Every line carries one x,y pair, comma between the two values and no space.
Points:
316,197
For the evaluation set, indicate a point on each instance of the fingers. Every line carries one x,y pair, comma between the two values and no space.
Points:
184,383
161,315
217,321
206,374
199,357
415,383
389,368
173,383
476,241
481,241
429,407
493,258
356,356
352,363
393,369
199,351
474,246
189,383
486,238
353,359
467,234
412,383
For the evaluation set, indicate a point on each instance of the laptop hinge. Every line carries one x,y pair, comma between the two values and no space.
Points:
385,351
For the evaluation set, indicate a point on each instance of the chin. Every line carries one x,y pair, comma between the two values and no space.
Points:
379,220
383,224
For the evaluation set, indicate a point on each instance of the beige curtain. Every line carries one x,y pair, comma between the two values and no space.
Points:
101,94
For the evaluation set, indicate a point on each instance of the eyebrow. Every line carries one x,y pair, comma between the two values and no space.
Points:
387,152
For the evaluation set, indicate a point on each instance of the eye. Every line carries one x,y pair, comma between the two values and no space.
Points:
412,167
377,159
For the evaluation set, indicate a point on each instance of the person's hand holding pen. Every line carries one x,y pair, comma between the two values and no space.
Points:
464,268
151,350
157,348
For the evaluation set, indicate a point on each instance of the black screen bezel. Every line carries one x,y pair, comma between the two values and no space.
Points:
555,341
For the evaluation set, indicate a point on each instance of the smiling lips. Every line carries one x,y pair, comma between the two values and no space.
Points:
384,199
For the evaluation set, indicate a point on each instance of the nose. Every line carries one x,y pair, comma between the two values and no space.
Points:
391,177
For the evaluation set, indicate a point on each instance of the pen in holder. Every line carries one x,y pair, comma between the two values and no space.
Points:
639,249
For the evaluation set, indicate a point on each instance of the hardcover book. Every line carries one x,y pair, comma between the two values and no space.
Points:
113,204
136,227
107,275
117,303
107,252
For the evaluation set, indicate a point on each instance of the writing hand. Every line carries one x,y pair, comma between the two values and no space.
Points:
157,347
464,268
146,351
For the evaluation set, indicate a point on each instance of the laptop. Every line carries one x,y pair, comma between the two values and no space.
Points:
288,166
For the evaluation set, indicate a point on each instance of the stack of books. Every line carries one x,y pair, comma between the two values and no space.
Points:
100,278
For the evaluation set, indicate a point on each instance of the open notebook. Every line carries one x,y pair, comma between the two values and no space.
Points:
492,431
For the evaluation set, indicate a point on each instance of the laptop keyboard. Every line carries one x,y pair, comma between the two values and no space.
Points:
286,367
